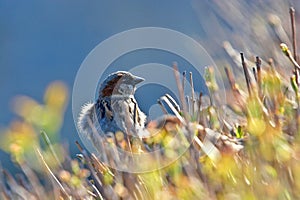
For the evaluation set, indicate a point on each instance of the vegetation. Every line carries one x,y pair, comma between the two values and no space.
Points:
253,149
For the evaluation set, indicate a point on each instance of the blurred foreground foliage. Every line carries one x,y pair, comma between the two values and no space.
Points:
23,134
246,149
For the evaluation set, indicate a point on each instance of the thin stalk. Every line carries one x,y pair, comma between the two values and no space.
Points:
171,106
16,188
254,73
3,189
63,190
193,92
199,106
246,73
162,106
294,40
177,107
33,180
293,24
180,90
91,166
188,103
97,191
183,80
95,140
296,90
258,72
183,103
48,143
230,79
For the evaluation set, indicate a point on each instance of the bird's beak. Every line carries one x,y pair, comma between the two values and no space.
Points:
137,79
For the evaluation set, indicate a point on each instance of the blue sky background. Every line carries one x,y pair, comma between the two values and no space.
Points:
42,41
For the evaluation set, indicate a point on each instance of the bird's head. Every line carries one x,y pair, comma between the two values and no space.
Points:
119,83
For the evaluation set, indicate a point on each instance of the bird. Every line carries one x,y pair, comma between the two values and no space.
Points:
115,108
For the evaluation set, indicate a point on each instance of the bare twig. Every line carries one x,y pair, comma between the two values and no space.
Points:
193,92
254,73
258,71
183,80
174,110
246,74
97,191
180,90
293,24
91,166
199,106
230,79
177,107
162,106
294,40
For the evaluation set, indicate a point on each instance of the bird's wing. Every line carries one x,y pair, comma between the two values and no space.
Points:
122,116
87,121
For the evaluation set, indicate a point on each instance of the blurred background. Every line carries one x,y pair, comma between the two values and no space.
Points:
45,41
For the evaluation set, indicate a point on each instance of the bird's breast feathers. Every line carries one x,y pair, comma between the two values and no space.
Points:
111,115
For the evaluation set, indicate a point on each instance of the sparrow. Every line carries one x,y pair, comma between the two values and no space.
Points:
115,109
